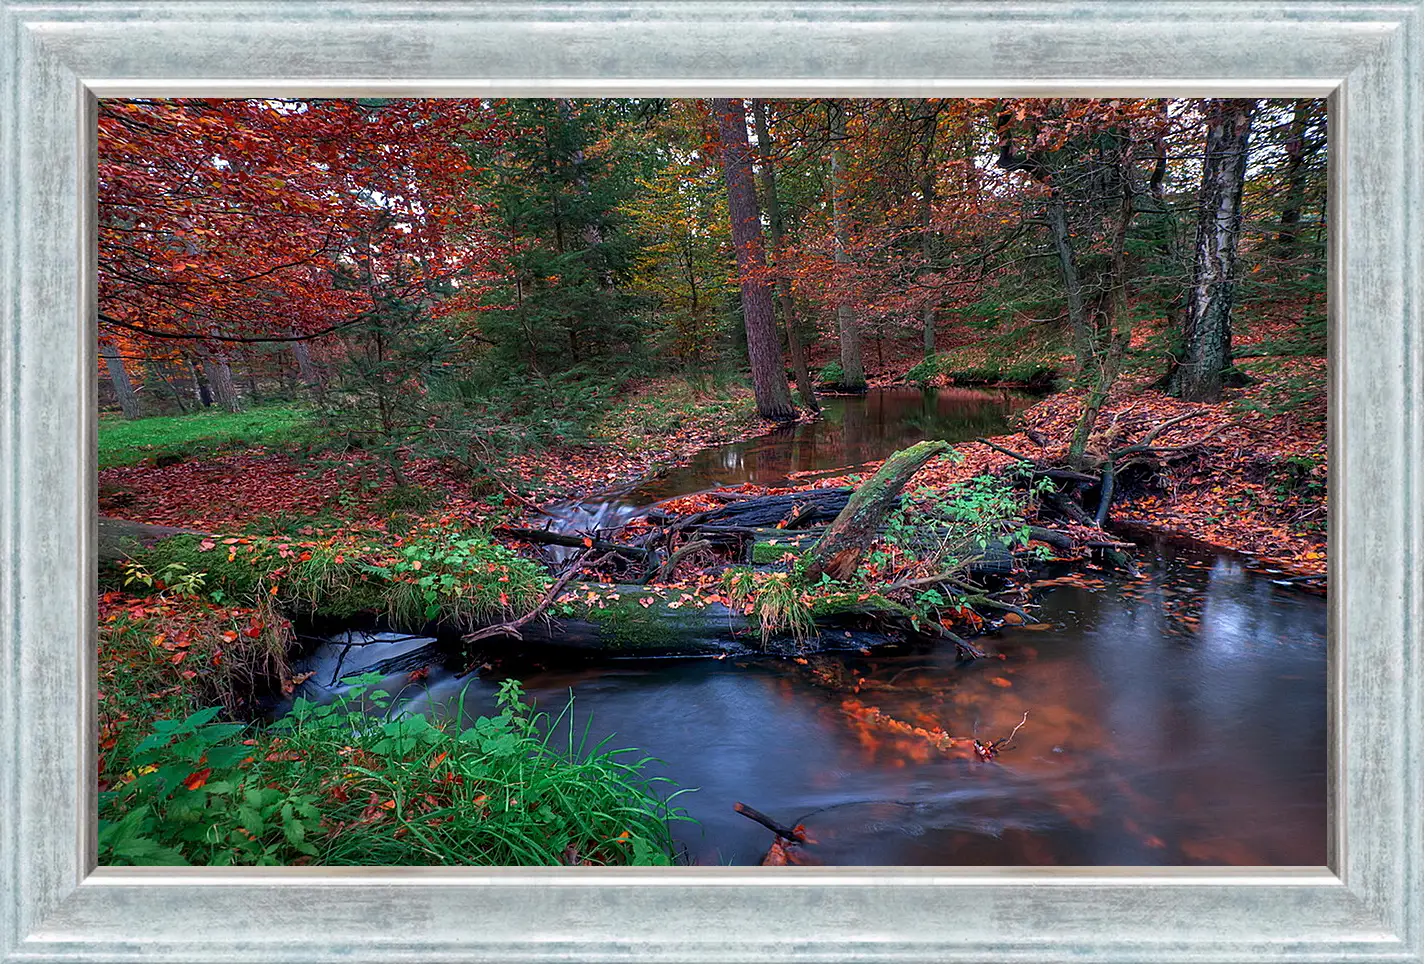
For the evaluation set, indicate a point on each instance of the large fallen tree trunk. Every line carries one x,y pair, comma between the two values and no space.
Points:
839,550
119,538
803,508
633,620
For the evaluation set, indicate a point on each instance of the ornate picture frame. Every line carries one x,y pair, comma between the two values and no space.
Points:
59,57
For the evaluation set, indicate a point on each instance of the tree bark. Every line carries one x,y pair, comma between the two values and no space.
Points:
119,376
1299,149
853,371
838,552
773,207
220,376
1207,343
307,370
764,350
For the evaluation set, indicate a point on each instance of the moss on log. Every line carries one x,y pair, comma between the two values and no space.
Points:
838,552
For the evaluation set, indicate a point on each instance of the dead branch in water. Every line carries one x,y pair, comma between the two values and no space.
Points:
793,834
988,751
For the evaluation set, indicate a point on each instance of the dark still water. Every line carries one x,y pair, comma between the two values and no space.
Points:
1175,719
852,431
1180,719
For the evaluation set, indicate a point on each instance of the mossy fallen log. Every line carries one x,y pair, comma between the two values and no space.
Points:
839,550
120,539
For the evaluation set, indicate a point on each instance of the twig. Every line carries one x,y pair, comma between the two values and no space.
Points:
512,628
1000,448
1014,731
988,751
786,833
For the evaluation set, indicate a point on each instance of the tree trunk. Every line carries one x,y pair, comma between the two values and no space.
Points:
220,376
1108,359
306,369
838,552
119,375
1073,286
200,383
1298,150
927,210
1207,343
773,206
764,349
853,371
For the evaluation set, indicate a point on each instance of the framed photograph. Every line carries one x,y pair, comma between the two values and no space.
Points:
711,481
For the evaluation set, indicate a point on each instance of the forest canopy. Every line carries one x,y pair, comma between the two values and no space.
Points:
403,262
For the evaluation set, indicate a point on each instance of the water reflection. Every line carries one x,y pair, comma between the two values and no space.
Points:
852,431
1179,719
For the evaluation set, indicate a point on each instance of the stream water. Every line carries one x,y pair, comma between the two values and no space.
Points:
1177,719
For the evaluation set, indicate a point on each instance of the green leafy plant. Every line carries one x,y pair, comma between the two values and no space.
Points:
176,577
357,781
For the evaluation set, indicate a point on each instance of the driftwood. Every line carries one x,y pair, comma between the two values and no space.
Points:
792,834
838,552
546,537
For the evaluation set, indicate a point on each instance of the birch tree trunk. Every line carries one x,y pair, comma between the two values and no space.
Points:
1207,350
853,371
764,348
119,376
773,207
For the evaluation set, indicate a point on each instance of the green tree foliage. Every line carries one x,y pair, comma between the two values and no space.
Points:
554,189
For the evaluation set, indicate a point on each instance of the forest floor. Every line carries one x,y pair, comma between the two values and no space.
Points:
217,473
1258,484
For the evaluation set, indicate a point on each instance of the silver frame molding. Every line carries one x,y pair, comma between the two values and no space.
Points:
59,56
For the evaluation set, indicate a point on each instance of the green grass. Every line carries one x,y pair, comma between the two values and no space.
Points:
357,782
706,405
123,442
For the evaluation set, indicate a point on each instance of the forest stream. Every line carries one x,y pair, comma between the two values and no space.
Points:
1175,719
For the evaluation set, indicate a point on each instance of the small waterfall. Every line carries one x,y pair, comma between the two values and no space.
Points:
589,517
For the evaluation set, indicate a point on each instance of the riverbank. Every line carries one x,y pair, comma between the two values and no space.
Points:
204,472
417,566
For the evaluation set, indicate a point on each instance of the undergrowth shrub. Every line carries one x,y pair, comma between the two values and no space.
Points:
455,576
354,783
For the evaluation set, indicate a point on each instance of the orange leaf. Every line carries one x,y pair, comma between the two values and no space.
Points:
197,779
